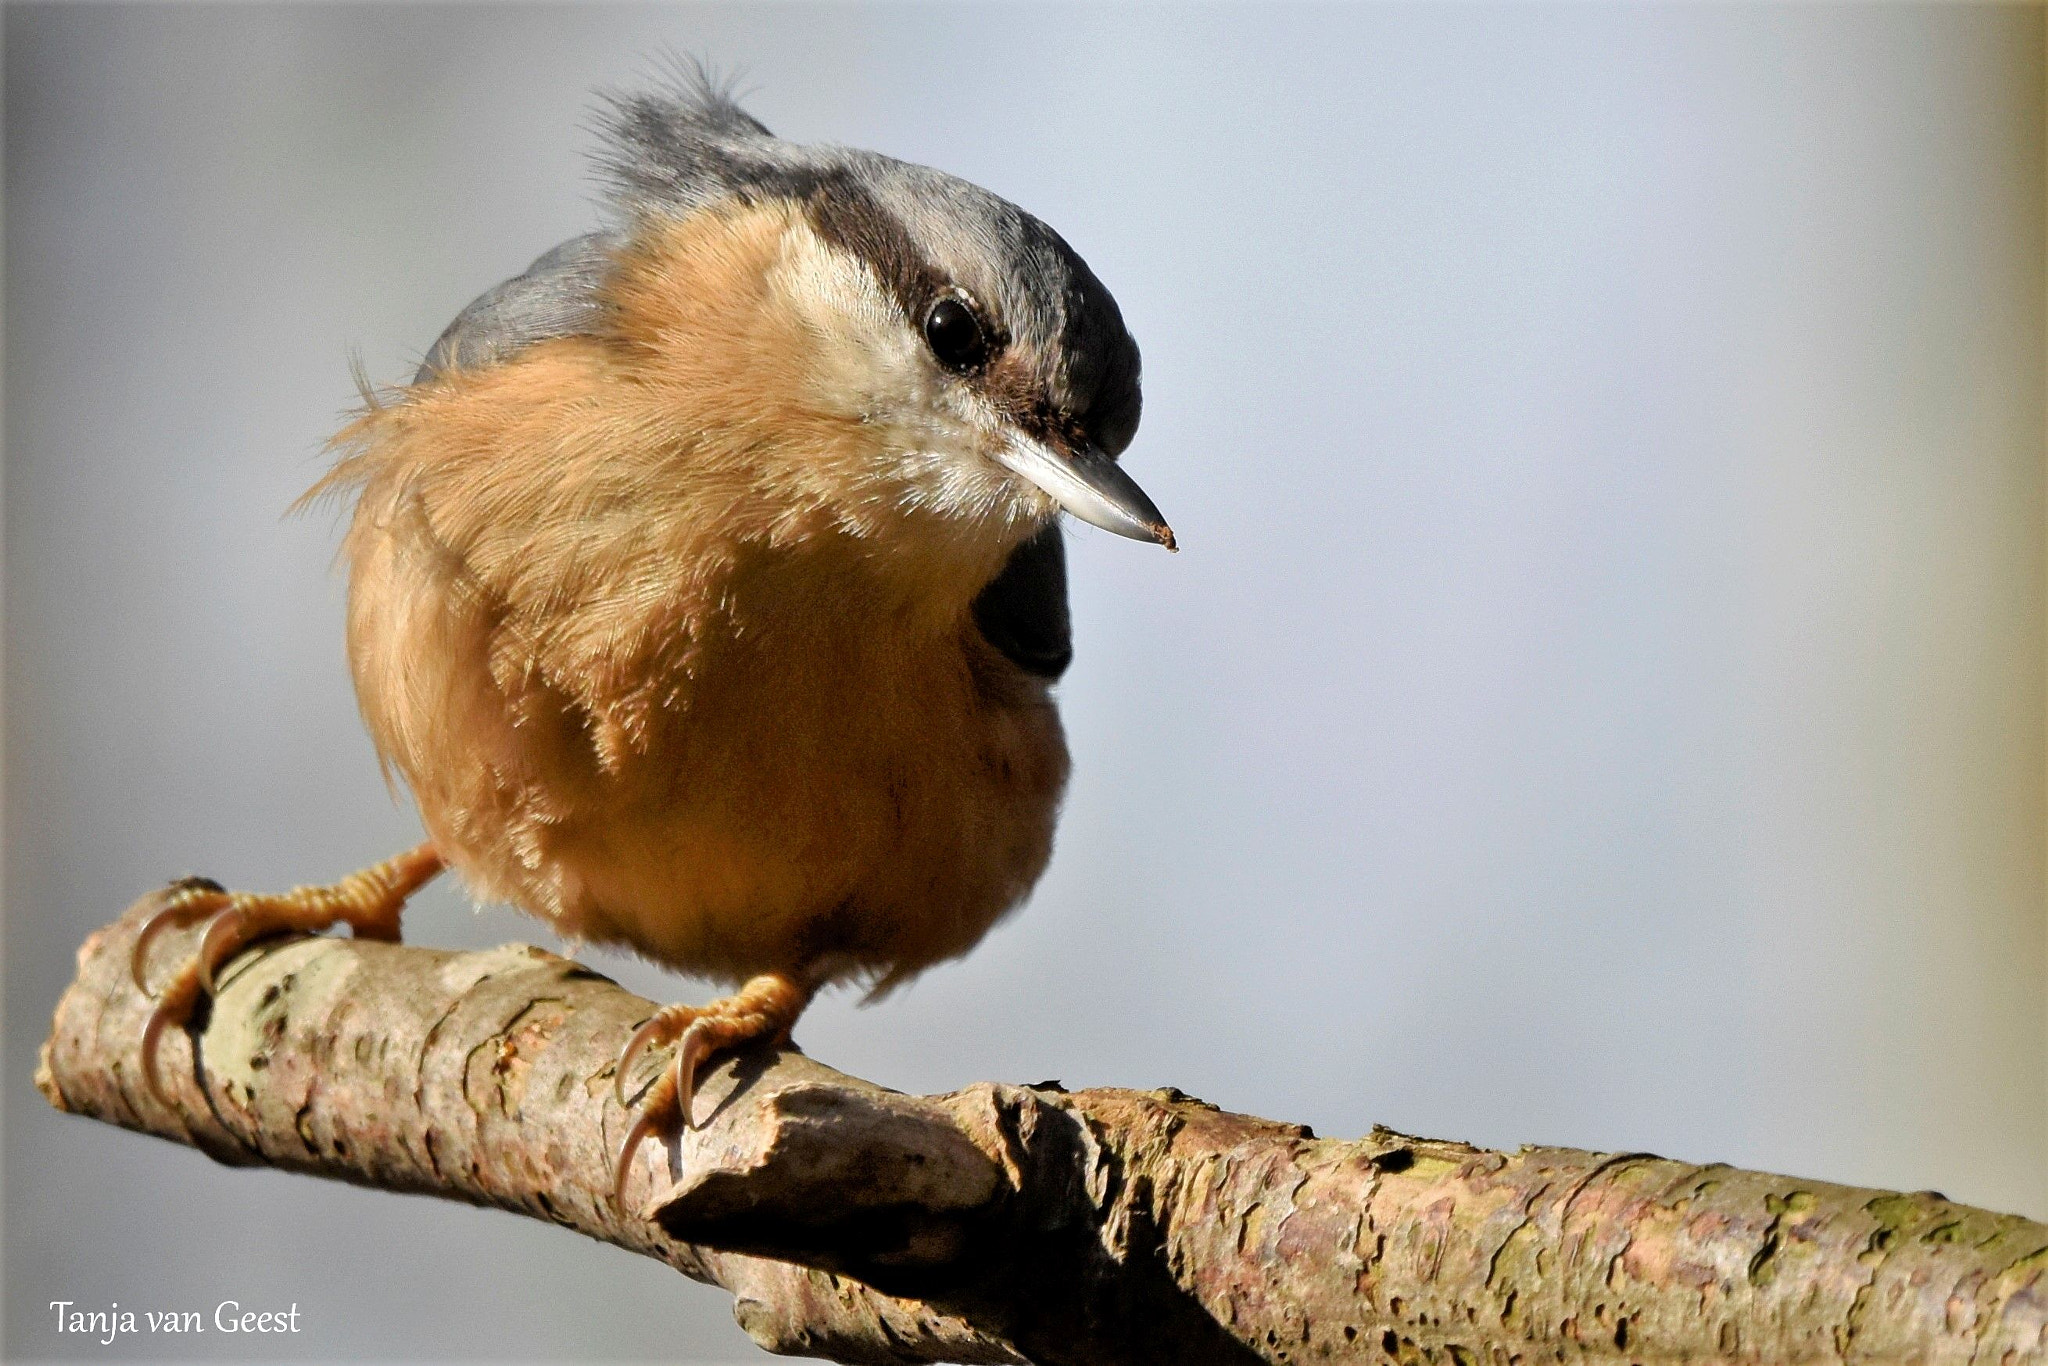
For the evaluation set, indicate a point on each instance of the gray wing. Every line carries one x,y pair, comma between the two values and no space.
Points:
1023,611
557,296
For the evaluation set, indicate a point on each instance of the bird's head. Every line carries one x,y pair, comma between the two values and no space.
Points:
910,347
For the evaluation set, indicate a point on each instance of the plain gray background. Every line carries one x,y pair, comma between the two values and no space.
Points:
1600,700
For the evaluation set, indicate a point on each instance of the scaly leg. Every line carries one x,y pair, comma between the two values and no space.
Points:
368,902
765,1008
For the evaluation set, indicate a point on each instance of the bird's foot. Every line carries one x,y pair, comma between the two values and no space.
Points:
765,1008
368,902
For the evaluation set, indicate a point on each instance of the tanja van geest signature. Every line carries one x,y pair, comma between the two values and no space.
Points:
229,1316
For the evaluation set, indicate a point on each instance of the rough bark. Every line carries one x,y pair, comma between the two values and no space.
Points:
1008,1223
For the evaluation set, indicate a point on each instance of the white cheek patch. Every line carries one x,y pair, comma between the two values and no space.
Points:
872,365
867,363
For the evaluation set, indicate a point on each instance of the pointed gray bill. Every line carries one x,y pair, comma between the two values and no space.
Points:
1090,485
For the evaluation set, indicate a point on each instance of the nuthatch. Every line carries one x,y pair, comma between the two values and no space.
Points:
705,584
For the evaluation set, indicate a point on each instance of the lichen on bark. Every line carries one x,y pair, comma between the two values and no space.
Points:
1009,1223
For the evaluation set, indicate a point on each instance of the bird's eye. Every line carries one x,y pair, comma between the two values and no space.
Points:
956,336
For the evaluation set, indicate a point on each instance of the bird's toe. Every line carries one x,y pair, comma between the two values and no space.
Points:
765,1008
368,902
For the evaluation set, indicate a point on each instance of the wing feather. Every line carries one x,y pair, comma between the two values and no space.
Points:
556,296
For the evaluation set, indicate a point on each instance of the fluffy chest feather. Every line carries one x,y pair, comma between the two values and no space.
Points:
748,754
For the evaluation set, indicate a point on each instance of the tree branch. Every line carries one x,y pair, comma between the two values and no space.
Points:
1006,1223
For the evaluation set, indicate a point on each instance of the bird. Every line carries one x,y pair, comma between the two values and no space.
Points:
707,587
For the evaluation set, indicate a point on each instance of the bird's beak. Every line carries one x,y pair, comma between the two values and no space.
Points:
1090,485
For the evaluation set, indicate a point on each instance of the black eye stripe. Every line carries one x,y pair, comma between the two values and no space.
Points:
847,216
1104,398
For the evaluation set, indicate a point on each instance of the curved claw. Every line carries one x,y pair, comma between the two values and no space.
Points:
175,1008
628,1055
152,1032
646,1122
675,1086
224,935
765,1008
369,902
662,1026
693,1048
189,900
